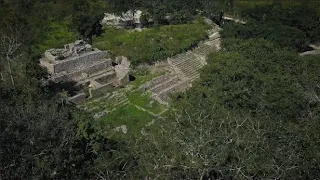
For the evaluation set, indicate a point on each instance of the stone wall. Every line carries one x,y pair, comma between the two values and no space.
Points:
105,79
50,57
122,81
83,60
44,62
101,90
165,85
182,86
77,99
82,73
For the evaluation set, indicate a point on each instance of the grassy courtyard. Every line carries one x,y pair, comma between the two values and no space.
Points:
152,44
126,108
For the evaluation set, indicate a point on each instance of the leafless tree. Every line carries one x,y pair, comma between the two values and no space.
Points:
9,47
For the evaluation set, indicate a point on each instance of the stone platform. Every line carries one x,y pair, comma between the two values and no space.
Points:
88,68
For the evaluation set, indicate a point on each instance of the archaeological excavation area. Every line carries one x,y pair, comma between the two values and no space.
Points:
111,90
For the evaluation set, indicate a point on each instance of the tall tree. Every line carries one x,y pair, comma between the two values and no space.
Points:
87,20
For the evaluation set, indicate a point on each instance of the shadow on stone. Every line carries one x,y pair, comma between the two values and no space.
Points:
69,87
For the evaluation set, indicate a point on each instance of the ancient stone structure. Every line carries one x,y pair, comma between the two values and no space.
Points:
88,68
315,50
185,69
127,19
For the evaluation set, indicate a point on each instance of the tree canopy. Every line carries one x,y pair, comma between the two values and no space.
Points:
252,114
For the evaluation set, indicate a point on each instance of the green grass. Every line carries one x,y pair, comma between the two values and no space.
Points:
142,76
144,100
130,116
152,44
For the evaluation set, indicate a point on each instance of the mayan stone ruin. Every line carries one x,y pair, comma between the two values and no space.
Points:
89,69
129,19
183,69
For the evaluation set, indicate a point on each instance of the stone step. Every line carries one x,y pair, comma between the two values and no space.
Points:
84,80
191,62
204,50
182,55
121,103
91,76
115,95
181,58
100,98
159,80
101,73
165,85
164,94
192,74
114,103
190,68
194,77
181,61
106,95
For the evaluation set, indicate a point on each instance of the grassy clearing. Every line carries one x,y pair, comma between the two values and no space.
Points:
133,118
152,44
143,99
128,114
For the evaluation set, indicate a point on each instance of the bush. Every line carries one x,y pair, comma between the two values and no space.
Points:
259,78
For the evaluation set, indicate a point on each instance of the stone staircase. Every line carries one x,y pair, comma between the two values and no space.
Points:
186,67
186,64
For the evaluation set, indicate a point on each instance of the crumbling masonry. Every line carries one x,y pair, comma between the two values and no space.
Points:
89,68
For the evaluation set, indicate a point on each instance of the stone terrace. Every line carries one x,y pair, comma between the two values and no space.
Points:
185,69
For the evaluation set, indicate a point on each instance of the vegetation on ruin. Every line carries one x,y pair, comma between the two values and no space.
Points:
152,44
253,114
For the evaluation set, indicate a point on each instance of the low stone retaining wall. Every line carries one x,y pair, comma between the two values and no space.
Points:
77,99
164,96
106,78
101,90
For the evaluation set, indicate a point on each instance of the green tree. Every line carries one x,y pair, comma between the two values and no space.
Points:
86,20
